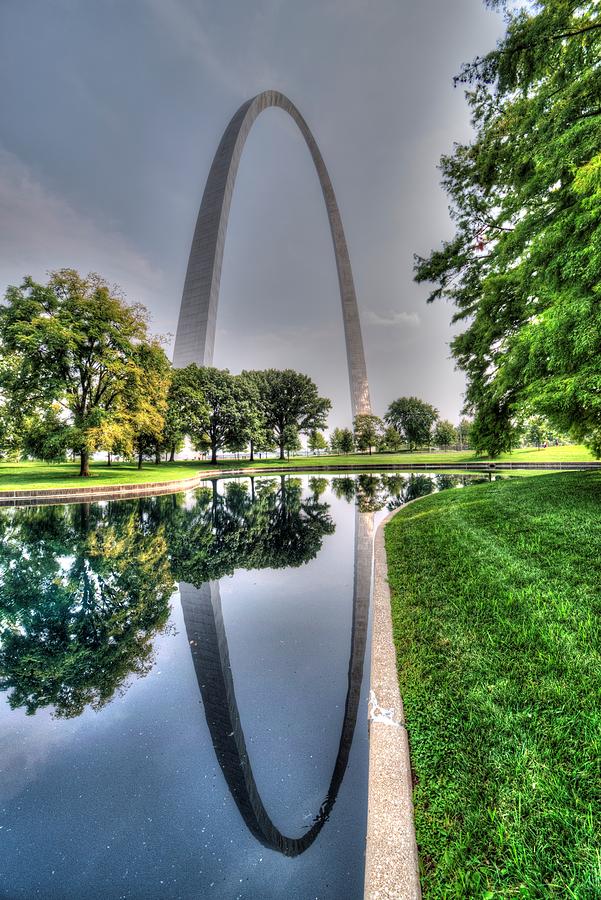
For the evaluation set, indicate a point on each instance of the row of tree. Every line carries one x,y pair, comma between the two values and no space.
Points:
408,422
79,371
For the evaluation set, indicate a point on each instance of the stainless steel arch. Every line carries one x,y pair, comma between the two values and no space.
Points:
195,336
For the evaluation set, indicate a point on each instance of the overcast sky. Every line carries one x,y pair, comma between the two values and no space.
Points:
111,111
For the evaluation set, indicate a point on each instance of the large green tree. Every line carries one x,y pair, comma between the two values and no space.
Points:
221,411
75,342
342,440
187,411
292,401
524,266
413,419
444,434
367,431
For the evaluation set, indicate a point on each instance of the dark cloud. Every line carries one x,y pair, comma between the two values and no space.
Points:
111,113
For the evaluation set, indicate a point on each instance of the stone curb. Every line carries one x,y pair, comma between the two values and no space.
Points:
391,863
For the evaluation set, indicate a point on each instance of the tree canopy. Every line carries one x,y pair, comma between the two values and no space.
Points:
75,343
524,266
413,419
367,431
342,440
291,401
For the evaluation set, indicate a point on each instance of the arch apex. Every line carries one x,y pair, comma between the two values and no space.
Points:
195,337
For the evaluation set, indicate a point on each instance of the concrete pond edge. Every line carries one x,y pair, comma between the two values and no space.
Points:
391,861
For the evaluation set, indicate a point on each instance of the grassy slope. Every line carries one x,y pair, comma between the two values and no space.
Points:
496,595
31,475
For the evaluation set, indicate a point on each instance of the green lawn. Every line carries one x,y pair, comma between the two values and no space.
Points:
496,599
32,475
569,453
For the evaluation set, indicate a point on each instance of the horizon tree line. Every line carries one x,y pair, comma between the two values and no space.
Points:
80,373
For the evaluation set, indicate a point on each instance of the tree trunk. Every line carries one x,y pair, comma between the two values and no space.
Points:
157,458
140,460
84,463
172,454
282,454
109,458
251,458
213,453
370,449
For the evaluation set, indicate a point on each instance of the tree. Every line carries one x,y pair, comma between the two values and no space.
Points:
260,435
291,400
317,442
367,431
342,440
464,431
228,406
46,436
72,342
524,266
148,390
187,411
445,434
413,420
292,443
390,440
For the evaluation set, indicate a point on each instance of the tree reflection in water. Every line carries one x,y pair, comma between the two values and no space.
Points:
266,523
85,588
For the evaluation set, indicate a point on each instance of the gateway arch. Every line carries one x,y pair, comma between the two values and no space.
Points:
195,337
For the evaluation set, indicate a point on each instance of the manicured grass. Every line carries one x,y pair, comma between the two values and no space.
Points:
32,475
569,453
496,600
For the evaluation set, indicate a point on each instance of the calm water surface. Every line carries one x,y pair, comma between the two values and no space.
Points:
183,709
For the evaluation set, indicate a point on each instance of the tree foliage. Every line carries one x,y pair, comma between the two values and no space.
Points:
342,440
291,401
524,266
413,419
444,434
317,441
74,342
367,431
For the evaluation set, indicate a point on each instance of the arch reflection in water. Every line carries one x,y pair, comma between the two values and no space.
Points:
210,654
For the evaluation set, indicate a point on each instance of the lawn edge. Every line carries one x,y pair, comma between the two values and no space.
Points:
40,496
391,861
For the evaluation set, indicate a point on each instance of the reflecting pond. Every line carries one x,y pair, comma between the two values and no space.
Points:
183,678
